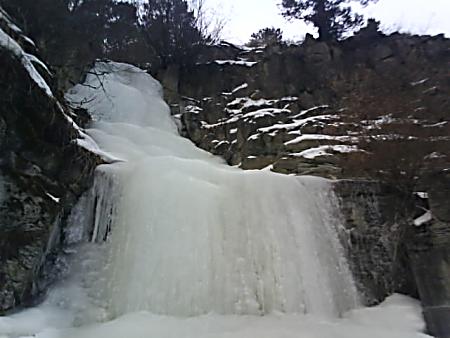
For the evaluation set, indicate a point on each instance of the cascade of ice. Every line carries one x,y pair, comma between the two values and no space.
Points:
192,236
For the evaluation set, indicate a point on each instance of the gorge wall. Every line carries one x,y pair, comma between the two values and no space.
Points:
43,170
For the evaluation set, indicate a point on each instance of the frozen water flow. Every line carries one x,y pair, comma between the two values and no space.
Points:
198,236
195,248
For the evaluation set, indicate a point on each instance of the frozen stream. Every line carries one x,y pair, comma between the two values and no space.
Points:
195,248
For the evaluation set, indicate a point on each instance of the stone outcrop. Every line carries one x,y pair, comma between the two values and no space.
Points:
430,256
42,169
251,105
375,237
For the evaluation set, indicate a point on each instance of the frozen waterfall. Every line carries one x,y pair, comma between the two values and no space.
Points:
185,246
193,236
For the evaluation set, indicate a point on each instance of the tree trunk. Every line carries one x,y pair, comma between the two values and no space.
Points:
322,22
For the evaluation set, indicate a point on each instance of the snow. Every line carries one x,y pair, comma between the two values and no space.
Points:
27,61
238,88
197,248
430,90
416,83
235,63
396,313
219,143
232,120
265,112
90,145
311,110
425,218
391,137
436,125
268,168
55,199
318,137
5,17
27,39
248,102
421,194
325,150
381,120
34,59
297,123
289,98
193,109
253,137
397,317
434,155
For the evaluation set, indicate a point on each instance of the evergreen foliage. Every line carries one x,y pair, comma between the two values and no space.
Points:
266,37
169,29
333,18
76,32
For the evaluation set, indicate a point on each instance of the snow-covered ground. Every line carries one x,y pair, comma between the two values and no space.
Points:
197,248
397,317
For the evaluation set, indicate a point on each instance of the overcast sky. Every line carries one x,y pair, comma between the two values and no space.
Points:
416,16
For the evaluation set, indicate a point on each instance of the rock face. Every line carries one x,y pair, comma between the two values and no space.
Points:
305,109
376,238
430,256
42,170
318,109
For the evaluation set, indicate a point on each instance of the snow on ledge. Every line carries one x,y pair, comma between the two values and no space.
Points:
266,112
310,110
425,218
312,153
297,123
53,198
421,194
319,137
90,145
235,62
238,88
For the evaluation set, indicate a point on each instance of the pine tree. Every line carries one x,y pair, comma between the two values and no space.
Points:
266,36
170,30
76,32
104,26
332,18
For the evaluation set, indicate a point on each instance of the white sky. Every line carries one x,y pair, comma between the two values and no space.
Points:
245,17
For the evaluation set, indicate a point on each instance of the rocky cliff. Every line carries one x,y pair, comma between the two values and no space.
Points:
302,109
43,168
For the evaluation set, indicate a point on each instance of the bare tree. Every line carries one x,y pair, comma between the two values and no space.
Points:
208,22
